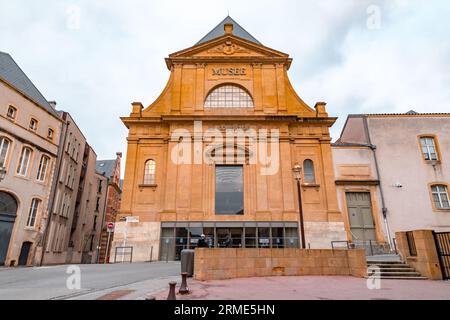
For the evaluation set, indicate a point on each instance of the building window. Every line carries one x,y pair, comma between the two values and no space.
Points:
4,147
429,149
50,134
33,124
99,189
229,96
42,172
150,172
24,161
229,190
12,112
440,196
97,205
33,212
308,171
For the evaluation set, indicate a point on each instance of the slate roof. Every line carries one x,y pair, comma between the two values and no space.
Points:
219,31
13,75
106,167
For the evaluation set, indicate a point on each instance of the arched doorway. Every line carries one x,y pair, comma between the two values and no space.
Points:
8,213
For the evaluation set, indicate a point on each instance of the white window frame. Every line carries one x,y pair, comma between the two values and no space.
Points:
4,150
429,148
440,191
32,214
22,169
42,171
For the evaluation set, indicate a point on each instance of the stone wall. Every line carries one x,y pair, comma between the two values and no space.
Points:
220,264
141,236
426,262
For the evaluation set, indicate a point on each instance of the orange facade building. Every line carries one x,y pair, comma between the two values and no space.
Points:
215,153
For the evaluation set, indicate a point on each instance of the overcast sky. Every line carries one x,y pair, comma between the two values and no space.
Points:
96,57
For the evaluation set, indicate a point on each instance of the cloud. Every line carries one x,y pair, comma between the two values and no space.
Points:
117,54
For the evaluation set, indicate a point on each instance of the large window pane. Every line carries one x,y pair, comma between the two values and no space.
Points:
277,238
264,237
229,190
250,238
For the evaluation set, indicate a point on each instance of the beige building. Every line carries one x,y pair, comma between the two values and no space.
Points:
30,132
393,174
77,203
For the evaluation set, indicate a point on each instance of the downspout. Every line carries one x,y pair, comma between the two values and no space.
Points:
62,143
377,168
103,219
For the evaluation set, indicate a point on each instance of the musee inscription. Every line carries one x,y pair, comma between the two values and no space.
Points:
229,71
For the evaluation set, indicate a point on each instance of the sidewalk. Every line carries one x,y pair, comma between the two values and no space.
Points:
311,288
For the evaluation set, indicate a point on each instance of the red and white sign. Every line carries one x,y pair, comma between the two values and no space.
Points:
110,226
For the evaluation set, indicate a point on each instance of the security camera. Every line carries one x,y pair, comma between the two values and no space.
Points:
398,185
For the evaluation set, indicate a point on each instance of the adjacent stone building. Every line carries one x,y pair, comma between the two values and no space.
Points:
110,169
393,174
215,154
77,203
30,131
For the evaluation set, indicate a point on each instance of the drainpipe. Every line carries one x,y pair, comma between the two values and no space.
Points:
105,207
62,143
377,168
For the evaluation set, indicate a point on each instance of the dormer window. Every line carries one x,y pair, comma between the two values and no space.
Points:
33,124
229,96
11,112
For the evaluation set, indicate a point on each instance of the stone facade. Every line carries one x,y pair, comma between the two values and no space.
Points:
184,191
20,235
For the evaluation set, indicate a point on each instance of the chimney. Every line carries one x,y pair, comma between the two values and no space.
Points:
228,27
53,104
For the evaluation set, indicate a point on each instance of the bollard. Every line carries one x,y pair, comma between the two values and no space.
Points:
184,288
172,291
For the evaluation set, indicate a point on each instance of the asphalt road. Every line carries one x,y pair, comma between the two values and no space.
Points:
50,282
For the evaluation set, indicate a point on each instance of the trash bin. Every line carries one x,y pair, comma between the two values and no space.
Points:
187,261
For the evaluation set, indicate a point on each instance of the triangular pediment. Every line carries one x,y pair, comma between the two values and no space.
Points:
229,46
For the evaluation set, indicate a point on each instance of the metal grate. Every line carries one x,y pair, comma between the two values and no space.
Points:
442,240
229,96
411,244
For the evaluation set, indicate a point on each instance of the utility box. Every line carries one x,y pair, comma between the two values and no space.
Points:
187,262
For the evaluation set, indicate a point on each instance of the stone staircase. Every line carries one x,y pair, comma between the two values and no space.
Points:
395,270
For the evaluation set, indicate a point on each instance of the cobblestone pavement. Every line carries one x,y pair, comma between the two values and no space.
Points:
311,288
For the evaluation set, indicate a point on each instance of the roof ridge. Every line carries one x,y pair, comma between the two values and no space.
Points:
217,32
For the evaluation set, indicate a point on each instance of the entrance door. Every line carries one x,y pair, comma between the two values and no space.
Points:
23,258
8,212
360,215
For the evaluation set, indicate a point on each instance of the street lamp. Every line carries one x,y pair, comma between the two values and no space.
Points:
2,173
297,170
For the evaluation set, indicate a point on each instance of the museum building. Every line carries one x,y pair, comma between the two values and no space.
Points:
221,152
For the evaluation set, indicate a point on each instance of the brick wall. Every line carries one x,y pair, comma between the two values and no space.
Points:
220,264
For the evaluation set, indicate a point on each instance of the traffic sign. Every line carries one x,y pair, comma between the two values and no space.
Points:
110,226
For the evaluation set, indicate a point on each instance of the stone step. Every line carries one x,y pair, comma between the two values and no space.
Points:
400,274
398,269
401,278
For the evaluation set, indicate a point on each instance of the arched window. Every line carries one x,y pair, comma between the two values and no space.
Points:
229,96
4,147
24,161
33,212
308,170
150,172
43,165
